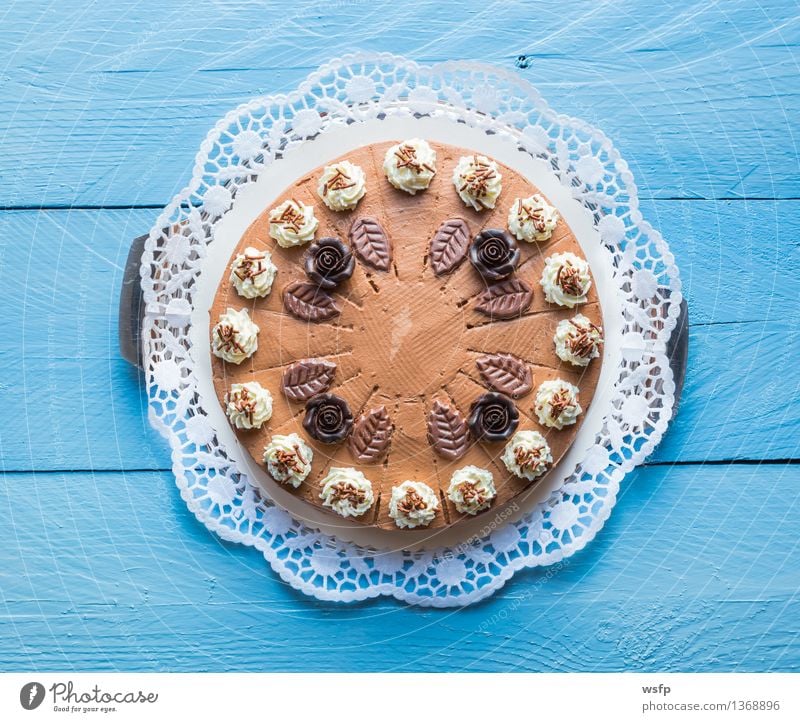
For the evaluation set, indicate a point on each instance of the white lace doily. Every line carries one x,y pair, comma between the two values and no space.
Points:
353,90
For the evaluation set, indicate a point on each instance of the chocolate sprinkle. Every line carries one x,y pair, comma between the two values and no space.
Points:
411,502
528,458
345,491
569,278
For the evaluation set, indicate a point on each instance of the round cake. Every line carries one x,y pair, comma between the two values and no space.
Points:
408,336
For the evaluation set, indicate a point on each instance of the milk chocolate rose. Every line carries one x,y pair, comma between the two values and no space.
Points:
328,418
494,253
329,262
493,417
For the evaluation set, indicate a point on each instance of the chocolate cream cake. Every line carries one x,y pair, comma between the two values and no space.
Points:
408,336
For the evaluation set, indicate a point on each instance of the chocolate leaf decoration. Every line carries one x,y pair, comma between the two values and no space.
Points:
370,243
371,435
309,302
505,373
449,246
307,378
505,299
447,431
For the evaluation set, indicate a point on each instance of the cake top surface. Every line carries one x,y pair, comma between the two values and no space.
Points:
406,328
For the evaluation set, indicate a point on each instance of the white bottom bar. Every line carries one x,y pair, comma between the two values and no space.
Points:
400,697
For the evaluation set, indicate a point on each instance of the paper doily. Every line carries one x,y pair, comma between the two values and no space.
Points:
351,90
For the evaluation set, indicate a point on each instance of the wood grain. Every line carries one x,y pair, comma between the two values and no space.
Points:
699,101
701,587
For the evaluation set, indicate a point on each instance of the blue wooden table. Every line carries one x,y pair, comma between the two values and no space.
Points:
102,108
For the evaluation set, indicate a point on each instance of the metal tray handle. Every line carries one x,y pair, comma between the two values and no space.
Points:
131,306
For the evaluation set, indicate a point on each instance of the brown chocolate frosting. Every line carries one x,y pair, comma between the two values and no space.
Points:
410,341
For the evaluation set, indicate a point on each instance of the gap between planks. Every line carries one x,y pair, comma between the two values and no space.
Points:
161,206
645,465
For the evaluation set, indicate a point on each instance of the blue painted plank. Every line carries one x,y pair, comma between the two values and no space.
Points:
63,269
739,398
695,571
62,370
107,105
730,253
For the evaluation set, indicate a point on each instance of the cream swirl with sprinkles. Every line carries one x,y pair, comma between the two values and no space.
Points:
253,273
556,404
577,340
248,405
478,181
292,223
235,337
413,504
527,455
410,165
347,492
342,185
471,489
288,459
566,279
532,219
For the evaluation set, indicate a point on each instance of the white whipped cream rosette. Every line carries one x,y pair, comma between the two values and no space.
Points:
288,459
413,504
235,336
566,279
532,219
577,340
556,404
471,489
248,405
478,181
253,273
347,492
410,165
292,223
527,455
342,185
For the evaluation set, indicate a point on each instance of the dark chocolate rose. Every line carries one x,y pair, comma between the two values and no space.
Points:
494,253
329,262
493,417
328,418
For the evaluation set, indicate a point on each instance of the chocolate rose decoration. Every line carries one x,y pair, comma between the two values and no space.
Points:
494,253
328,418
493,417
329,262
